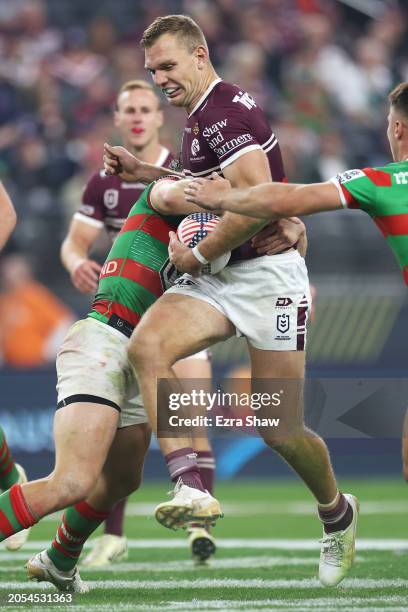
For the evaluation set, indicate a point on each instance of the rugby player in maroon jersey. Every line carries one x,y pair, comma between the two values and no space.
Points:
228,133
365,189
106,202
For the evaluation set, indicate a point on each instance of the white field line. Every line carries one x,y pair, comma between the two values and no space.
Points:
264,508
246,543
272,605
187,566
279,604
224,583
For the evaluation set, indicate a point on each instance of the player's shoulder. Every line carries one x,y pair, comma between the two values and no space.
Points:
231,96
100,179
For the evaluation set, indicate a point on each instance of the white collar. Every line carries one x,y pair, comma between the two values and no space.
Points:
164,152
205,95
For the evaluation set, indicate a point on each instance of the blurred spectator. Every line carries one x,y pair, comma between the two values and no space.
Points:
320,69
33,322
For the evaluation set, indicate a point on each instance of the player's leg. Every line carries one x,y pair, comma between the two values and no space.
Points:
11,473
309,457
173,328
83,433
198,368
121,475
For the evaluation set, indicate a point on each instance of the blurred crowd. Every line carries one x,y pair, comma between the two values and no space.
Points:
320,68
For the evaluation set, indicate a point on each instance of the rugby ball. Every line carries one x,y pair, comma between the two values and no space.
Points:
195,228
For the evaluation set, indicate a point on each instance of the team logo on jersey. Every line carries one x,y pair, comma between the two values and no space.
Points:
111,198
195,147
283,323
196,130
245,99
283,301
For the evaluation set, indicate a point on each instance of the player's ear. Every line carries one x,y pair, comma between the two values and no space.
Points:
399,128
115,118
202,57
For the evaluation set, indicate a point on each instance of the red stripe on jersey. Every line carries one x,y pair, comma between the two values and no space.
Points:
108,308
137,272
158,228
378,177
351,202
392,225
149,224
125,313
133,223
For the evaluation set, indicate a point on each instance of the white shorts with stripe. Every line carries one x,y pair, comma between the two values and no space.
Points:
267,299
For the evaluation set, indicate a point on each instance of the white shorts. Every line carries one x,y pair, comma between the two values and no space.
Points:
93,361
267,299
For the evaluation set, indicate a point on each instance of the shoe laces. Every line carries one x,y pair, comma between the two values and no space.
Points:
176,489
333,548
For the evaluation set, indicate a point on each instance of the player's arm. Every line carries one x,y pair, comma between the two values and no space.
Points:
168,198
84,272
267,201
118,160
8,216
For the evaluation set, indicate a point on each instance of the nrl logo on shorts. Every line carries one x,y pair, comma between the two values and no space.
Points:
283,323
195,147
196,130
283,301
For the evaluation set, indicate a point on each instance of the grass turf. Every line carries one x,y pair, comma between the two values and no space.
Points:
265,560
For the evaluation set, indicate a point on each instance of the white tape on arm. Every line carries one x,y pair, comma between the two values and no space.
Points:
198,256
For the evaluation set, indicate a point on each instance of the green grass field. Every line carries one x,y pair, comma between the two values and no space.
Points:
267,556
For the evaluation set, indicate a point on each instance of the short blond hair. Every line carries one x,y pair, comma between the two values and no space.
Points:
182,26
398,98
137,84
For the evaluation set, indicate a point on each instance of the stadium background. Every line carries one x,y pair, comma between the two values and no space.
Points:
320,68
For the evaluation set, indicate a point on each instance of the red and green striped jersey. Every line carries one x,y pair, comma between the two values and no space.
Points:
383,194
136,271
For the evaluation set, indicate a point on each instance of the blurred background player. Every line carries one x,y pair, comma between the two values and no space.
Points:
106,203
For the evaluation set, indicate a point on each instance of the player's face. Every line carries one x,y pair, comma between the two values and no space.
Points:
176,71
138,118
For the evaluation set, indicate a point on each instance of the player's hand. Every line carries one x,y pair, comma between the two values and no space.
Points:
208,193
182,257
278,235
85,276
118,160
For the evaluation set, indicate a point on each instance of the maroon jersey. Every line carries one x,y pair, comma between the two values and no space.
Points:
107,200
225,124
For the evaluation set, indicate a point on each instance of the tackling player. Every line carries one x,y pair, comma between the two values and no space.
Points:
381,192
106,203
100,422
228,133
